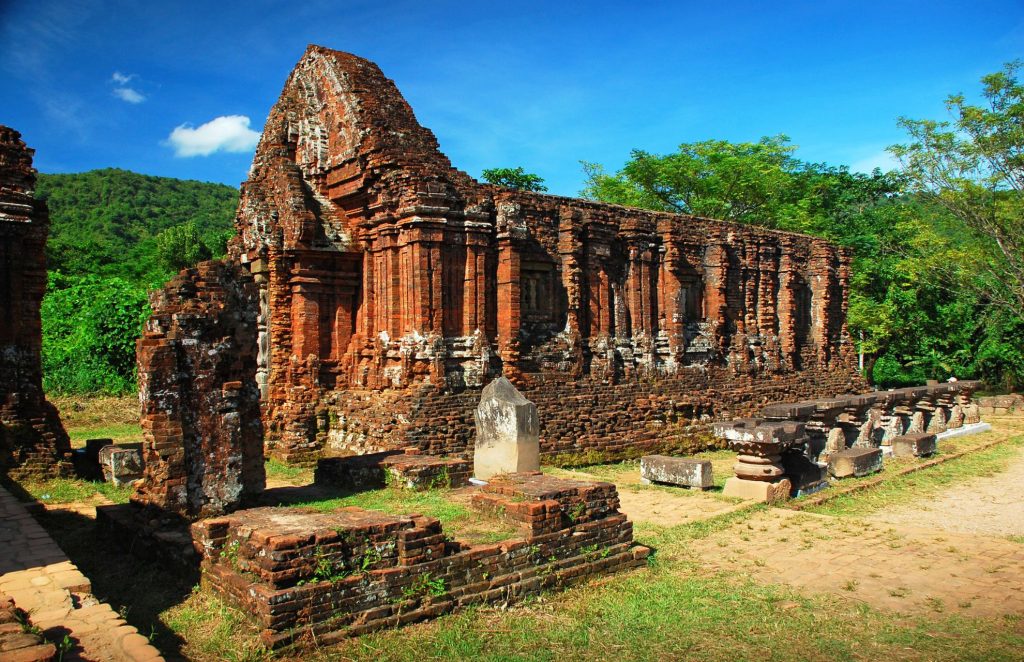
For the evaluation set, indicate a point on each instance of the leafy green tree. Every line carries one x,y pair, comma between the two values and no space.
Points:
181,247
90,325
973,167
516,178
745,182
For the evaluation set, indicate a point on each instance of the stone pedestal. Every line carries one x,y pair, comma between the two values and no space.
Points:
507,432
680,471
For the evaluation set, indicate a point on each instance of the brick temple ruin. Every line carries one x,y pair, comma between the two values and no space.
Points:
390,287
32,438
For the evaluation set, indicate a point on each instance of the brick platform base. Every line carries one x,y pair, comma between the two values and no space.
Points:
304,574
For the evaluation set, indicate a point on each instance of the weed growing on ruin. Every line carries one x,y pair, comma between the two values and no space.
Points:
424,585
577,511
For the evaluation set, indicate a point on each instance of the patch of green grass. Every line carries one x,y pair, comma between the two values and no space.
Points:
457,520
1019,539
118,432
924,482
278,470
69,490
213,630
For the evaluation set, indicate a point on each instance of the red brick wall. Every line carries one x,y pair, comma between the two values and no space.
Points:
32,439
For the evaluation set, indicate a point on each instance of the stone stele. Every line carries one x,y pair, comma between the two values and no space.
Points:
507,432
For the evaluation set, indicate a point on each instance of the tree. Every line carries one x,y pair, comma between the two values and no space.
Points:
973,167
745,182
516,178
180,247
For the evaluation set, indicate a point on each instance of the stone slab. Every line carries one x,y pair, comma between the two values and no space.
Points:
920,444
855,462
680,471
758,490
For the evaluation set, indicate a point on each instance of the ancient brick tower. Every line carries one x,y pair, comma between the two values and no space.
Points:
32,439
392,286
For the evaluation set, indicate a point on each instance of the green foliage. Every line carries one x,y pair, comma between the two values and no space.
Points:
106,222
180,247
516,178
974,169
113,235
90,325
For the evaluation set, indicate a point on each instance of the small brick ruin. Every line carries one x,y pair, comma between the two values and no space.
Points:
32,439
318,577
392,287
202,434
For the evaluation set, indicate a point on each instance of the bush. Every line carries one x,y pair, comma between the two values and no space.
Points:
90,325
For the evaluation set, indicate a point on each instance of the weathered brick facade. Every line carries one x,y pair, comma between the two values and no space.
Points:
202,435
32,439
393,286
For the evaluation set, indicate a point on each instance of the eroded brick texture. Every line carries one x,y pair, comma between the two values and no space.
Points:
202,434
392,287
318,577
32,439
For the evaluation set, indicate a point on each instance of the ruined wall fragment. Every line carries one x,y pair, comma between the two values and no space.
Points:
32,439
202,433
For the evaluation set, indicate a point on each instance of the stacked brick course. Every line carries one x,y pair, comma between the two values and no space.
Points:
327,576
32,439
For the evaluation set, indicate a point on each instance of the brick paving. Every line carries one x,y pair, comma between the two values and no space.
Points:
37,574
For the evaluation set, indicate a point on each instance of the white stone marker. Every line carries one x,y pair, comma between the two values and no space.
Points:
507,432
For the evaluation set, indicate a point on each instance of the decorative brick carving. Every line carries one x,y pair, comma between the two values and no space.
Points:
32,439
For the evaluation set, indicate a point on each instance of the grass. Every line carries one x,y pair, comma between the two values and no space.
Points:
457,520
286,473
99,417
75,490
899,489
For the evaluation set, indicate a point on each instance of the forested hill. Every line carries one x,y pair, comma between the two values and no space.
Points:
108,222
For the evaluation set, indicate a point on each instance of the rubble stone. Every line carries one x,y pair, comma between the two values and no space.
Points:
32,439
680,471
121,464
918,445
855,462
507,432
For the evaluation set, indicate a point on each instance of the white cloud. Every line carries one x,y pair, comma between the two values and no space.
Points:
121,78
128,94
228,133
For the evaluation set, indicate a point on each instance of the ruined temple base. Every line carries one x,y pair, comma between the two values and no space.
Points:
309,577
758,490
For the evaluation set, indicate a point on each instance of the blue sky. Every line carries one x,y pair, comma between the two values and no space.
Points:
543,85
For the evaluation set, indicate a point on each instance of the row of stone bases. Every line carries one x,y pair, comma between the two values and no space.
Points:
307,575
794,448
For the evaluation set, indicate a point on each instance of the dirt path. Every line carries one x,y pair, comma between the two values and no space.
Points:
992,505
889,567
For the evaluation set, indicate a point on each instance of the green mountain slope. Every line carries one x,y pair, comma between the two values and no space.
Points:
105,222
